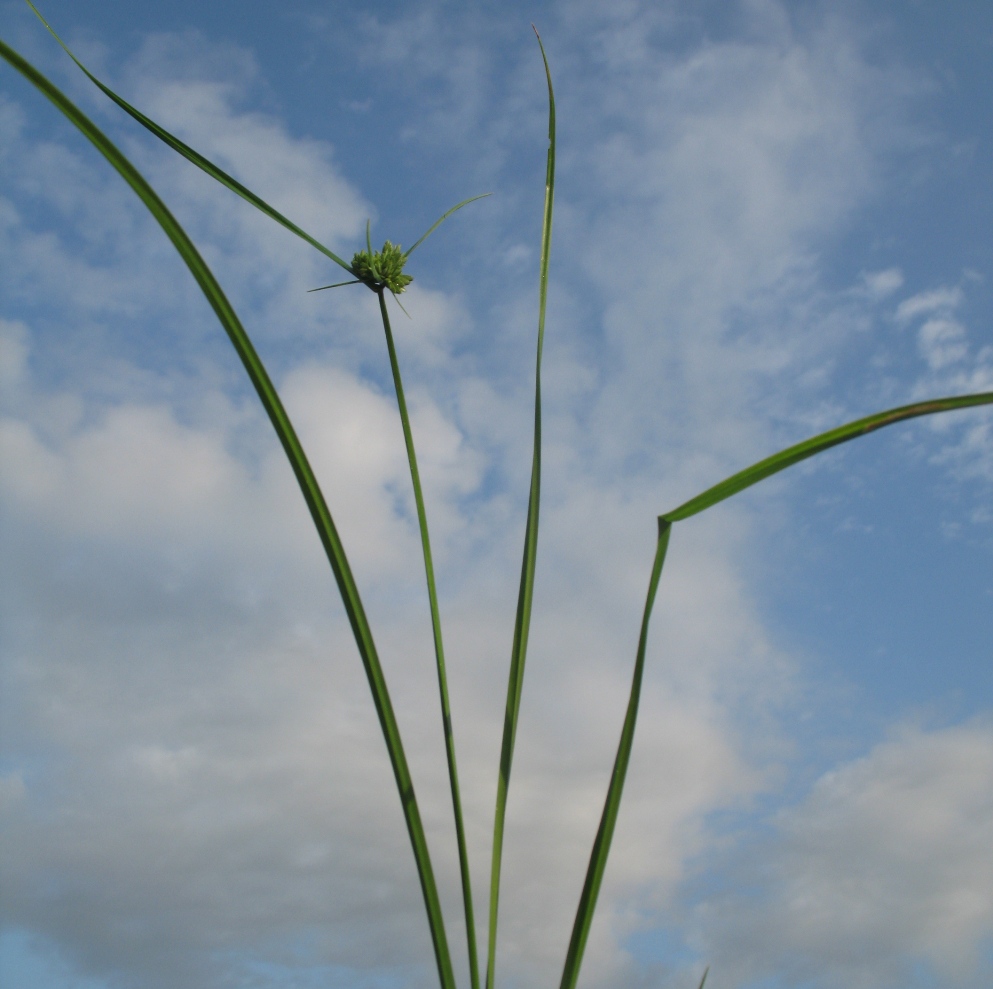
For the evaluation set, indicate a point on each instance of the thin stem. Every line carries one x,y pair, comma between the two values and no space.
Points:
439,649
608,820
522,623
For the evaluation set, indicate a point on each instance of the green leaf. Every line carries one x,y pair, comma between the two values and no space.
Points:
441,219
608,819
322,288
319,511
817,444
522,623
194,156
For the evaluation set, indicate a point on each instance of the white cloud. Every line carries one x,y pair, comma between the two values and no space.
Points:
170,657
883,283
883,867
942,342
939,300
708,179
953,368
194,88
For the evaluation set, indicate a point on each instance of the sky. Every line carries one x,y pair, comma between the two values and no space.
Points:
771,218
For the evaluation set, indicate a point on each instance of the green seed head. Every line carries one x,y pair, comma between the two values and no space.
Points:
382,269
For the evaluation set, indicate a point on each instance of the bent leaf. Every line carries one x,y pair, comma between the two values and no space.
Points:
712,496
818,444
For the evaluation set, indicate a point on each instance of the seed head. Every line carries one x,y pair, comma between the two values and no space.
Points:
382,269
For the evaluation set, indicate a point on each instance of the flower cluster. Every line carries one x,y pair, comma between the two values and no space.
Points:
382,269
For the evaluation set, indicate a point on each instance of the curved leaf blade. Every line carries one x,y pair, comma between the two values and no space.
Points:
324,288
441,219
313,496
190,154
818,444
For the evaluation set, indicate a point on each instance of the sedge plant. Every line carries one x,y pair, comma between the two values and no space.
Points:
383,273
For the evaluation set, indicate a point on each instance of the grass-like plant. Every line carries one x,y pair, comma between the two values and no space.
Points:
383,273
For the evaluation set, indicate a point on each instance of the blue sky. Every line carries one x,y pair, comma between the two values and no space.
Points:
770,218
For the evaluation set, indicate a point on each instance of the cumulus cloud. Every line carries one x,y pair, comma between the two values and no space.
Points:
880,870
172,653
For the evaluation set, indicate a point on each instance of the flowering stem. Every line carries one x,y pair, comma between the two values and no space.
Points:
439,649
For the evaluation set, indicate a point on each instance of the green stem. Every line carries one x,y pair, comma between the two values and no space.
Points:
608,820
439,649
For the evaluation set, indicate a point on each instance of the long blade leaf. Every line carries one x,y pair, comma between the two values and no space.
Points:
817,444
194,156
305,477
608,820
441,219
323,288
522,623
